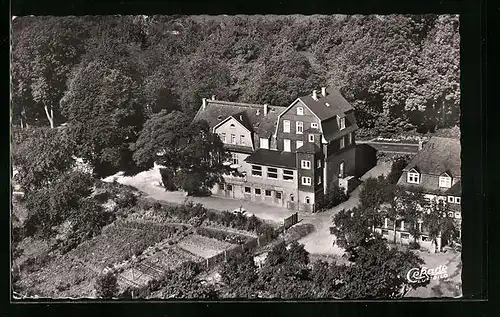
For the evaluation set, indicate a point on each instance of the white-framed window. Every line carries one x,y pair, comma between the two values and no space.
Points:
413,178
267,193
385,223
299,127
318,181
233,139
272,173
349,139
318,163
451,199
342,123
288,175
307,200
300,111
457,200
305,164
234,158
311,137
257,170
342,142
299,144
314,125
291,197
286,126
223,138
264,143
242,139
286,145
445,181
458,215
306,180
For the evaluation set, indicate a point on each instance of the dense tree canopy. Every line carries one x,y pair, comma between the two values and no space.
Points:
400,72
191,154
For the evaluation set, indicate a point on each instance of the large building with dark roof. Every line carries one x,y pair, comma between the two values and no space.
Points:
289,156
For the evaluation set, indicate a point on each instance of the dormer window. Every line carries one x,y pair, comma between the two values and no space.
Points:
342,123
413,177
445,181
300,111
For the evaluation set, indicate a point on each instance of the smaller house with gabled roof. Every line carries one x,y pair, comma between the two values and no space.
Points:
436,172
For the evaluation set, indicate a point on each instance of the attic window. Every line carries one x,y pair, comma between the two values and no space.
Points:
219,117
413,177
300,111
445,181
232,125
342,123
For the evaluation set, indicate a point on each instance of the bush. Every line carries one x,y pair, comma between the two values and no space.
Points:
126,200
267,231
414,245
167,178
106,285
221,236
397,169
333,197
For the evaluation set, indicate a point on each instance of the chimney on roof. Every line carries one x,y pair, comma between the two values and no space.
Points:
266,109
213,97
323,91
315,95
204,103
241,117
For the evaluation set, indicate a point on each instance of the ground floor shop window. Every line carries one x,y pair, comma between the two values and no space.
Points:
248,190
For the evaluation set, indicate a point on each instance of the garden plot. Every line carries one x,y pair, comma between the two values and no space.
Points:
120,241
61,278
203,246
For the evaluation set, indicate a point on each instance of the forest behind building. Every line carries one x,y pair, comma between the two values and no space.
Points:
399,72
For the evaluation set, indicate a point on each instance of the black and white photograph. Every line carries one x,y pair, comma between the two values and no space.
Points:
236,157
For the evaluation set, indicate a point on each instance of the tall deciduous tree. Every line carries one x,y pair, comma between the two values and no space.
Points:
105,114
44,51
189,150
437,222
42,156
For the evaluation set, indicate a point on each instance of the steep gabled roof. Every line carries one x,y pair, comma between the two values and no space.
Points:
439,155
455,190
331,129
253,116
338,106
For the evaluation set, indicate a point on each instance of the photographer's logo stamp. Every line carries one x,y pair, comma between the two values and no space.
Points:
423,274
